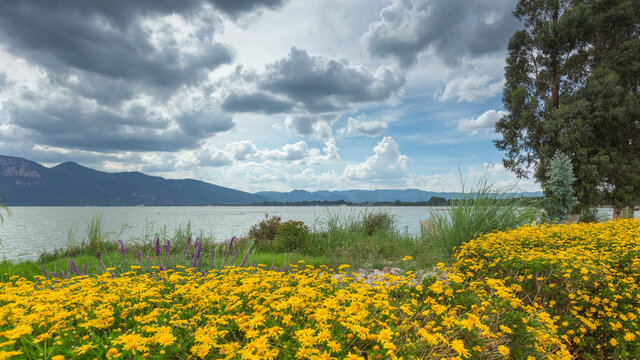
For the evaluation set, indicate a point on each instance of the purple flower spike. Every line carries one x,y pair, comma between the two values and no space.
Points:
187,245
62,276
255,263
158,250
45,272
84,268
211,258
139,256
226,255
53,274
161,267
122,250
74,267
198,253
244,261
235,257
99,255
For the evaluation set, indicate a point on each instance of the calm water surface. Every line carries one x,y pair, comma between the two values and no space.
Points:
32,230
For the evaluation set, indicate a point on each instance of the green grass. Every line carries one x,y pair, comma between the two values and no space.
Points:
370,239
484,209
29,269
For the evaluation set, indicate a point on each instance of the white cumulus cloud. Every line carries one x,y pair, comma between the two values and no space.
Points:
368,128
473,88
486,121
386,162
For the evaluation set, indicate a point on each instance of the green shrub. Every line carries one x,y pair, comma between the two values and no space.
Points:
590,215
264,233
292,236
560,195
627,213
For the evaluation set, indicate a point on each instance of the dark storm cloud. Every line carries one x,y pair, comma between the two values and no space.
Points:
75,126
255,102
323,84
102,39
237,7
202,124
111,69
452,28
309,84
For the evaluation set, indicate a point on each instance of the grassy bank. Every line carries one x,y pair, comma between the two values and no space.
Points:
370,240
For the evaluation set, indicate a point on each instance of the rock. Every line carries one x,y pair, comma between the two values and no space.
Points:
377,272
396,271
386,269
363,272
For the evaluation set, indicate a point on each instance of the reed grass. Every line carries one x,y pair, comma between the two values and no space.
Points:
481,210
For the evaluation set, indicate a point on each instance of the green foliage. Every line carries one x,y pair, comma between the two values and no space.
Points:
590,215
377,221
482,210
292,236
572,85
627,213
265,232
560,198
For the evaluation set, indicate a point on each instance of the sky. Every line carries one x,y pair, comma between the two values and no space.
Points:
261,94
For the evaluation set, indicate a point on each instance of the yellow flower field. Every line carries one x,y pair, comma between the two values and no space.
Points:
531,293
586,276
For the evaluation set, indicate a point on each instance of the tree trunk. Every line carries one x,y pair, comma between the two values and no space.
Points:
617,212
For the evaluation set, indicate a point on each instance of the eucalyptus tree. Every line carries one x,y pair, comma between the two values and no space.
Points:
573,85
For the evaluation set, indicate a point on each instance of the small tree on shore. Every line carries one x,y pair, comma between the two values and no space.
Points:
558,188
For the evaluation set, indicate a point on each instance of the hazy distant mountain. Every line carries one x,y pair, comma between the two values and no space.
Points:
365,195
24,182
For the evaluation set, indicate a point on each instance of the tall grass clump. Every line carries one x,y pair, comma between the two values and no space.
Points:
483,209
6,210
370,239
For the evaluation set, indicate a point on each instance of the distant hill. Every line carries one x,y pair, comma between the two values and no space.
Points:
24,182
357,196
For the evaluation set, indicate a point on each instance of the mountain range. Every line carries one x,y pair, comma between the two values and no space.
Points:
27,183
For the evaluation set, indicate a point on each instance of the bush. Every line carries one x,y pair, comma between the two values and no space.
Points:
627,213
264,233
292,236
481,211
560,196
590,215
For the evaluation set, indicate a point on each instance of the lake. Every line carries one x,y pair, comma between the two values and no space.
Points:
32,230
